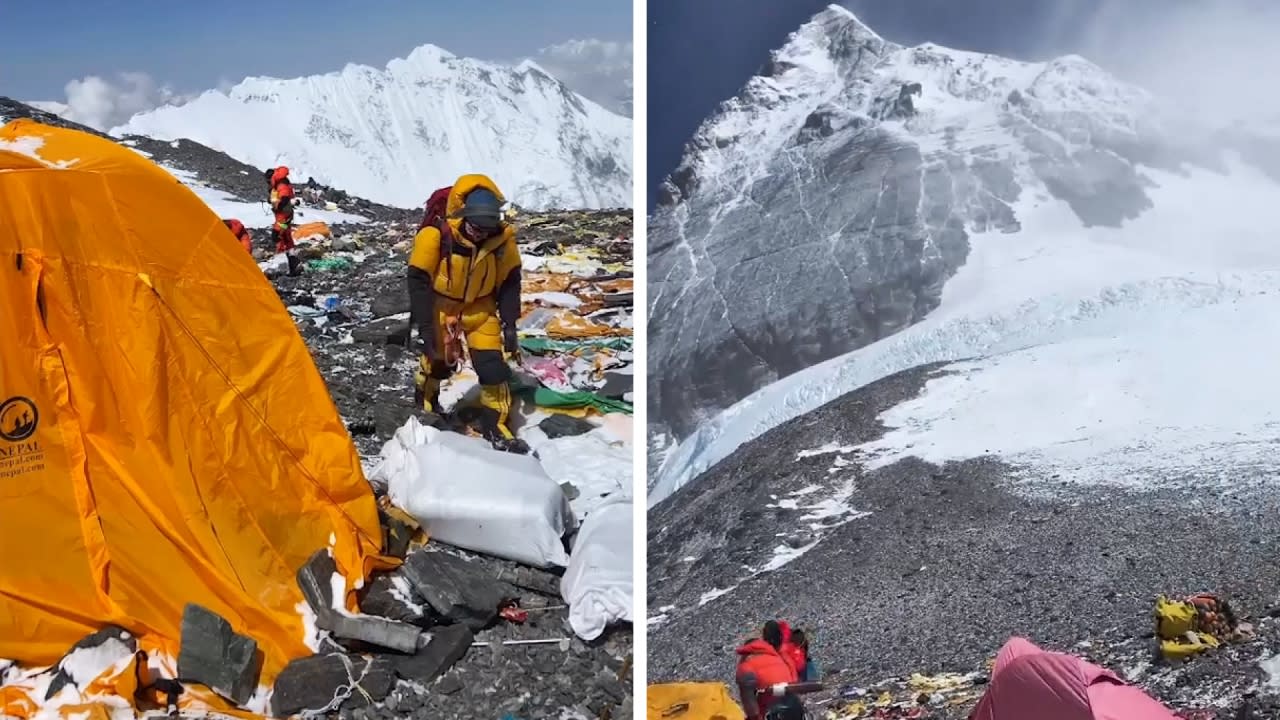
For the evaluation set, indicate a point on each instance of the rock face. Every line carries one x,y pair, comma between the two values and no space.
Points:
826,206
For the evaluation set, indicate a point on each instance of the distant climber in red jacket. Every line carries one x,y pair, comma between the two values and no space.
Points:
238,229
763,658
281,198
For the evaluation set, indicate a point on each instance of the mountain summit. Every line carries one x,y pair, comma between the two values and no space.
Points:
394,134
828,205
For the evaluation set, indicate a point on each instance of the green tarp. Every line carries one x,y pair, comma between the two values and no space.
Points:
544,345
546,397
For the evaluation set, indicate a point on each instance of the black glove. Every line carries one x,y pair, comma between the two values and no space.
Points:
510,341
427,348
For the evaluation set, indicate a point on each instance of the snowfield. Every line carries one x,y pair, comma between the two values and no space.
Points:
254,215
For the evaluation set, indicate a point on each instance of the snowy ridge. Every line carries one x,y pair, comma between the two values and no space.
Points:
393,135
962,205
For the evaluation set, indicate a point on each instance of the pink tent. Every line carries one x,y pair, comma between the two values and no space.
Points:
1032,683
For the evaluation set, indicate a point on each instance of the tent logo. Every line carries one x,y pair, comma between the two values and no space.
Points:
18,419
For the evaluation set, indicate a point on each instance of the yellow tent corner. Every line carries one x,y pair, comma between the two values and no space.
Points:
165,437
691,701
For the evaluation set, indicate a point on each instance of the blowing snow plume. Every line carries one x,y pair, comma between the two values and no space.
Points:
1210,58
972,334
597,69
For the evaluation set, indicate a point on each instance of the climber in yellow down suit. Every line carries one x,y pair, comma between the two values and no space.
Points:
464,281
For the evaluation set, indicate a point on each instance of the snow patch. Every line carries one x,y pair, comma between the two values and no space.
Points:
253,215
1271,666
30,145
711,595
401,590
824,450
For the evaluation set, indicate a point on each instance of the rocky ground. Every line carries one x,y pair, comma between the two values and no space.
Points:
349,300
359,348
948,564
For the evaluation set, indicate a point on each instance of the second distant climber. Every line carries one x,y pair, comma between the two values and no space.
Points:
464,282
281,198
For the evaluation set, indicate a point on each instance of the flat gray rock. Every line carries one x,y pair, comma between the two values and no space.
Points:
216,656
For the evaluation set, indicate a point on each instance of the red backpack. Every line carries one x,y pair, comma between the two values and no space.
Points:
433,213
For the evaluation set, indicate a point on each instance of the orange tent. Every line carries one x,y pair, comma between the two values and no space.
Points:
691,701
165,437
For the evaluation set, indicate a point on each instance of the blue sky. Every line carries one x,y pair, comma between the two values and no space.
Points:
192,46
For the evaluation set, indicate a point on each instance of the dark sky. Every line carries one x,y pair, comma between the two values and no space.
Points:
702,51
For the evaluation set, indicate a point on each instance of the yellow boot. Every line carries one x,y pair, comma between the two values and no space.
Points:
495,406
497,398
426,388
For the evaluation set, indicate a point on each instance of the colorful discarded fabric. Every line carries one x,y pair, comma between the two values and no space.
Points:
545,345
329,263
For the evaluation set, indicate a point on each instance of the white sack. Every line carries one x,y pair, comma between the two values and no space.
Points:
598,582
468,495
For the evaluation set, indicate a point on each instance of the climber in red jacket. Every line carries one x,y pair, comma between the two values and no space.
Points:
761,665
238,229
281,199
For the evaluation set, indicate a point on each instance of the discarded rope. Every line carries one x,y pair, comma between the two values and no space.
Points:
343,692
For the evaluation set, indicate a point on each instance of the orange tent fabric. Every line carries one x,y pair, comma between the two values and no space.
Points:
691,701
164,434
312,230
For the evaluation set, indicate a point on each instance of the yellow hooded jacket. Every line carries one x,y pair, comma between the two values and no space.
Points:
450,276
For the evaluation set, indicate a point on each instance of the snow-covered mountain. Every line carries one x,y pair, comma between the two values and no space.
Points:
395,134
597,69
928,204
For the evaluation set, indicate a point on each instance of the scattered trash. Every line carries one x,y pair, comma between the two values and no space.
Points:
329,264
324,684
469,495
564,426
598,582
1187,627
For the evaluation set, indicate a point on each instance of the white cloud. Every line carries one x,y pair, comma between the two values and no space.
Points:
599,70
102,104
1214,56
